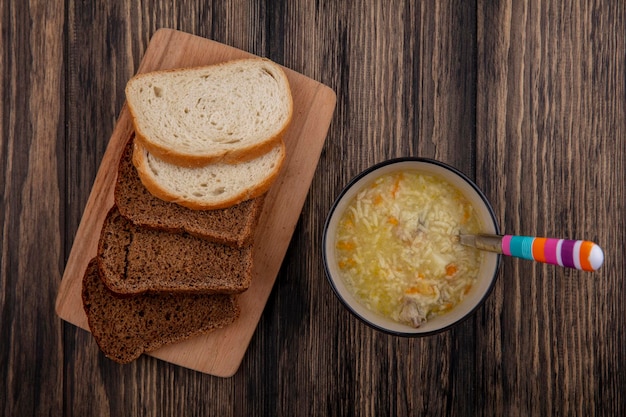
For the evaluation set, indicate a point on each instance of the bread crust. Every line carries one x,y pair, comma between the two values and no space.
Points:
192,160
242,153
114,264
133,340
233,226
140,163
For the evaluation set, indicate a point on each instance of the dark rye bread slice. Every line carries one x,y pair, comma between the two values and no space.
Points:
233,226
134,260
124,328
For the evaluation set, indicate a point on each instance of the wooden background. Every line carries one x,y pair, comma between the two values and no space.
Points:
527,97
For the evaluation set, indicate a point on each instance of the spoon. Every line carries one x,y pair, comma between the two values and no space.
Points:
579,254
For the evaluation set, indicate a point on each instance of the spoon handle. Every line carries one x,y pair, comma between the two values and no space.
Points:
579,254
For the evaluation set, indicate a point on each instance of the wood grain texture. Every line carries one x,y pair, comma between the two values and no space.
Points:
31,162
526,97
551,125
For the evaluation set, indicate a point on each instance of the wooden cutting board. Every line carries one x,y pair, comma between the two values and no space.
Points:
219,353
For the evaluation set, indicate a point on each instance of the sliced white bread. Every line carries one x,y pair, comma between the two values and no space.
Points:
229,112
212,186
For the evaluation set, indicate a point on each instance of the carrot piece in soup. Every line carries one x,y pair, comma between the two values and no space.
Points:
451,270
345,245
396,184
392,220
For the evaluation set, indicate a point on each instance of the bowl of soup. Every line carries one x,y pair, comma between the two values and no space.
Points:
391,249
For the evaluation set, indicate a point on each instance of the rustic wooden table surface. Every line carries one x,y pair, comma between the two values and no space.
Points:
526,97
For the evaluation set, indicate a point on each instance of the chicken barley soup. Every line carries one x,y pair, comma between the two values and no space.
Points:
397,248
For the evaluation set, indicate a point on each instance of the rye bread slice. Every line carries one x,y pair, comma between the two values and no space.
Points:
233,226
135,260
124,328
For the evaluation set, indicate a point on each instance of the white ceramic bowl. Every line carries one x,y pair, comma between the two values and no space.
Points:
487,273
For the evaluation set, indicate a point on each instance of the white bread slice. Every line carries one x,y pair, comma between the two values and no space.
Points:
229,112
213,186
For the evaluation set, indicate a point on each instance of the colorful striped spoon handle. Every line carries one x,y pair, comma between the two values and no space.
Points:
579,254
